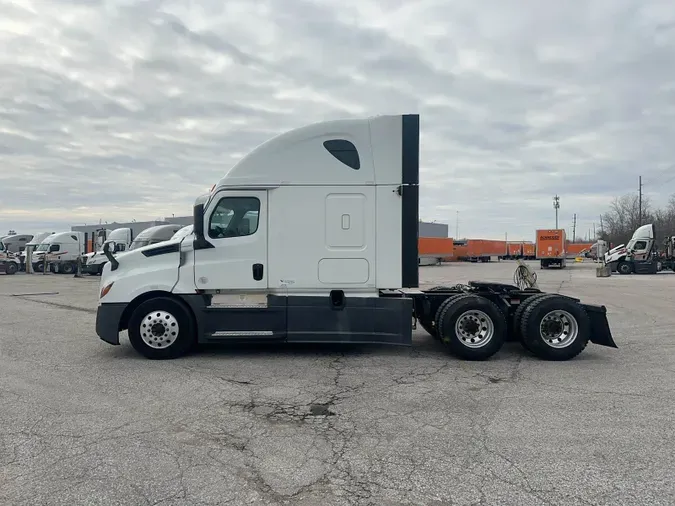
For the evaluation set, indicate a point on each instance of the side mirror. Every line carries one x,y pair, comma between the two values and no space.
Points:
114,264
200,241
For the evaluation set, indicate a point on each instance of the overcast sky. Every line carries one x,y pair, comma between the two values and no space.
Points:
120,110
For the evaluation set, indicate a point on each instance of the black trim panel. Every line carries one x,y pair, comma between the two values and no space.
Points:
410,174
375,320
161,250
108,318
305,319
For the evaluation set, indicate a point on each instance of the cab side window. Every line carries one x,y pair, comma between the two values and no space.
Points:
640,245
234,217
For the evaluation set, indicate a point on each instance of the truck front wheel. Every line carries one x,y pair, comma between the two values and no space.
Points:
11,268
472,327
162,328
624,267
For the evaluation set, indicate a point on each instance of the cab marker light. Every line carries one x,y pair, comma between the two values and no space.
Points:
106,289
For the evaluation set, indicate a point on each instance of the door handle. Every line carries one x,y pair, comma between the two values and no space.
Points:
257,271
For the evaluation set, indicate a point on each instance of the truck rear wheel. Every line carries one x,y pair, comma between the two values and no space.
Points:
162,328
472,327
67,268
555,328
431,326
518,317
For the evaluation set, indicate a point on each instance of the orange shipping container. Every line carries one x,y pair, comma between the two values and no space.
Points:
529,250
515,249
575,248
435,247
551,243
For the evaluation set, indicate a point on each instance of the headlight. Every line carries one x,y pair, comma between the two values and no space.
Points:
106,289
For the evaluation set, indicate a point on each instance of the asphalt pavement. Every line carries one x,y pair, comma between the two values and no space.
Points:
84,422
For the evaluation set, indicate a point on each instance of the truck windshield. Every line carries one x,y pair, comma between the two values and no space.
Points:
42,247
2,246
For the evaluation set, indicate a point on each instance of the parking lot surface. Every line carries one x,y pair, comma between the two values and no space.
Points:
83,422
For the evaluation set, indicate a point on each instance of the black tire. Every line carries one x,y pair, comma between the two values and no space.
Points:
38,267
67,268
551,349
624,267
152,314
11,268
518,317
430,326
486,318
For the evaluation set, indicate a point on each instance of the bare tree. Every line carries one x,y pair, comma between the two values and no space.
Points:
622,219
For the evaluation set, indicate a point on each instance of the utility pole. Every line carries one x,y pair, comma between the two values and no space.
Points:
594,236
640,201
556,206
602,230
457,226
574,228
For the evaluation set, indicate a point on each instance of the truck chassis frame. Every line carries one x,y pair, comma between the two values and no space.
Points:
461,317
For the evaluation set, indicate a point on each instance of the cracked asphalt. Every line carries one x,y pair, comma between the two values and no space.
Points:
83,422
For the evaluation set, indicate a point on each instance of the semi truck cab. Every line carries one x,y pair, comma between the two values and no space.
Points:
313,237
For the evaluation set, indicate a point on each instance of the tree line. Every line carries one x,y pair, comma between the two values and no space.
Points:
623,217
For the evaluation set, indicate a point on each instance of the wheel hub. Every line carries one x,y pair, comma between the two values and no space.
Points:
559,329
159,329
474,328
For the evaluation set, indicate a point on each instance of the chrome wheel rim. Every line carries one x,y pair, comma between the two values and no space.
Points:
558,329
159,329
474,328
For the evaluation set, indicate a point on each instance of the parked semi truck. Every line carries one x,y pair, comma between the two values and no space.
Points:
153,235
27,253
60,251
355,185
92,263
9,261
641,255
551,248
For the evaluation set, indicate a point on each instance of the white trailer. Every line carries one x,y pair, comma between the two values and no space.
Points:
312,237
60,251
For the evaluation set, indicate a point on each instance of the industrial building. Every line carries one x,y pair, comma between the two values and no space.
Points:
433,229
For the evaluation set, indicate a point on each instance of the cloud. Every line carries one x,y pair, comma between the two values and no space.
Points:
116,109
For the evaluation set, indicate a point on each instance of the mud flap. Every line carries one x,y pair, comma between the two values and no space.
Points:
600,331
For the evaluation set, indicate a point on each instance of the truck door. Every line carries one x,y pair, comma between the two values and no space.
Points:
641,249
235,223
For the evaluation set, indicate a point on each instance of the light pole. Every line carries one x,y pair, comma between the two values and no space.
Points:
556,206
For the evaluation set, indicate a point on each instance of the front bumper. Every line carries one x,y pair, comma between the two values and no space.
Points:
108,317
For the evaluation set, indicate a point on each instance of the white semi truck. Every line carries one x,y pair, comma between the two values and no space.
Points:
60,251
641,255
92,263
9,261
312,237
154,235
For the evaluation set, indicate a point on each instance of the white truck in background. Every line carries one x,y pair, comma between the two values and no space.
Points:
30,248
60,251
16,243
93,262
153,235
183,232
9,261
